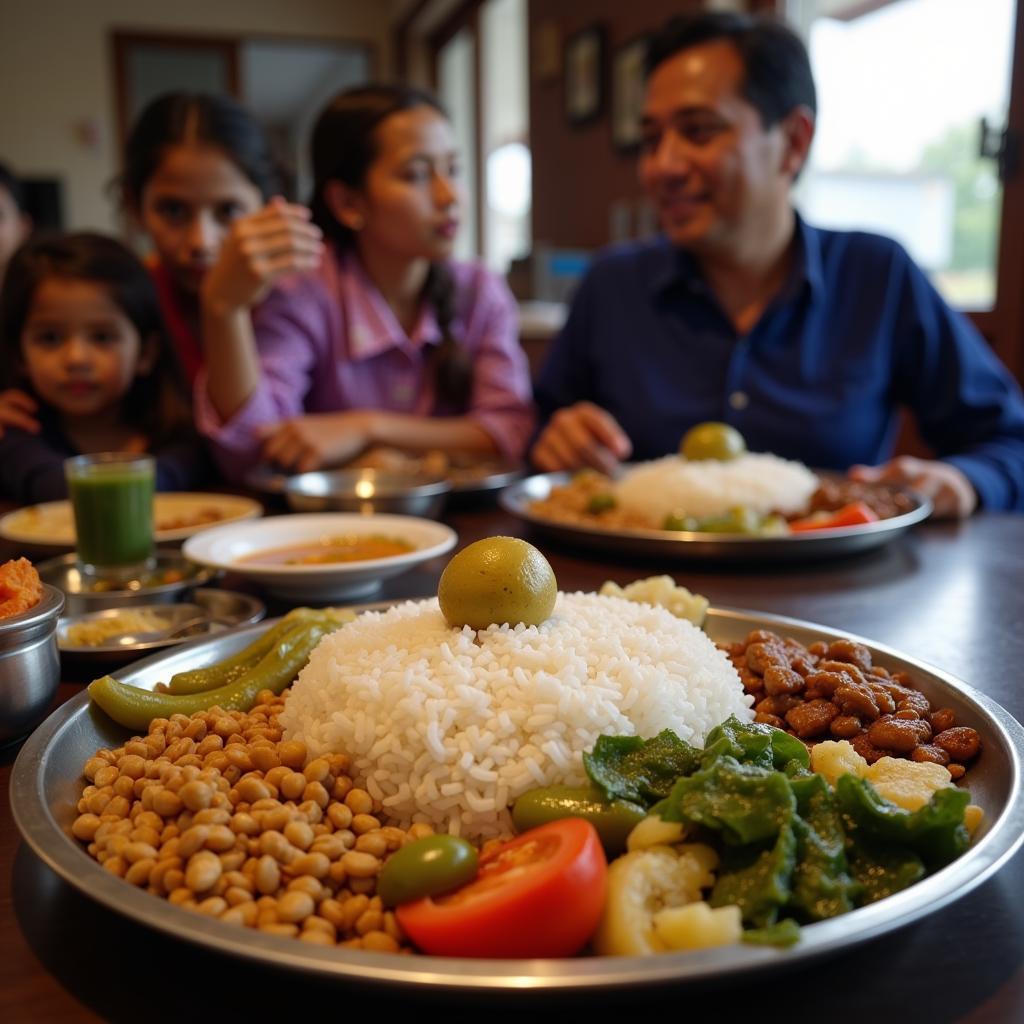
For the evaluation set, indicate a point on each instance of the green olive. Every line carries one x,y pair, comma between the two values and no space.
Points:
497,580
601,503
426,867
712,441
741,519
677,522
613,819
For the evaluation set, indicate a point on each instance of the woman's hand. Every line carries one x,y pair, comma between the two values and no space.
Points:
950,491
18,409
581,435
318,440
279,239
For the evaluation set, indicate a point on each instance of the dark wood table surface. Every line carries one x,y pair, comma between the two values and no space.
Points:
950,595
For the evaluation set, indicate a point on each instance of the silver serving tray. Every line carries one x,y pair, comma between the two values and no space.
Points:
46,782
683,544
226,609
266,480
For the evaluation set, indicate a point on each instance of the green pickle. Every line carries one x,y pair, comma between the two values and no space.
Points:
426,867
740,519
613,819
231,668
680,522
135,708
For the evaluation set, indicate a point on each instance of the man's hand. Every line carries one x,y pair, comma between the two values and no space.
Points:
581,435
950,491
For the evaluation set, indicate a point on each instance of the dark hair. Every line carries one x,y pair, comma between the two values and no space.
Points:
777,71
180,117
158,402
13,186
344,146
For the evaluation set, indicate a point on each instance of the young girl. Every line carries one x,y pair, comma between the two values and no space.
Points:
200,181
389,342
81,333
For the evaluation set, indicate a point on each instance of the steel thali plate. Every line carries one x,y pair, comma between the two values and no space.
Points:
47,781
681,544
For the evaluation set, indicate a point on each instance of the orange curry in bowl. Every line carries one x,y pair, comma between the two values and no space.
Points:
331,550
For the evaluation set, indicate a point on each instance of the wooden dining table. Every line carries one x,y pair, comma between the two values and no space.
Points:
951,595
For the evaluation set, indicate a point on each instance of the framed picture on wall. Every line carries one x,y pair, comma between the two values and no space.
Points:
628,93
584,75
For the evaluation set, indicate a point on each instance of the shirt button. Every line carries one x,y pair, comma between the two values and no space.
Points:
401,392
739,400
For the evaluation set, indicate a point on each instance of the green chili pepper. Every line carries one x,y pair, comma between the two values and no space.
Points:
613,819
210,677
135,708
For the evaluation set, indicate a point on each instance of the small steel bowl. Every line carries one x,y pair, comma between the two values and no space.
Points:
29,665
64,574
367,491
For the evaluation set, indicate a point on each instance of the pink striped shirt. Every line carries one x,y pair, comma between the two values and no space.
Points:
329,342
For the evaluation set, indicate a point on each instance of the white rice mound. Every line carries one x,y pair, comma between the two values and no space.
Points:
449,726
675,486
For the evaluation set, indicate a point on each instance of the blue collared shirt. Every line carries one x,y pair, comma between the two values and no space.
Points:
856,332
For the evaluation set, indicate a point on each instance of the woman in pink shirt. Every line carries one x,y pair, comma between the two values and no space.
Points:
389,342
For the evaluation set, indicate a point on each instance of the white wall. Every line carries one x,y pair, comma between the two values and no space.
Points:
58,115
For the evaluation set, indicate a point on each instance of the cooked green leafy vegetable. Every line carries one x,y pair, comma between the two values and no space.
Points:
642,771
743,802
935,832
792,849
754,743
758,882
785,933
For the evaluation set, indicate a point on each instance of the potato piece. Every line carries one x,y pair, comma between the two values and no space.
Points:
833,758
698,926
973,816
642,883
909,784
664,592
654,831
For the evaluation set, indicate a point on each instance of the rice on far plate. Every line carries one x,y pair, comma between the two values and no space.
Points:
449,726
758,480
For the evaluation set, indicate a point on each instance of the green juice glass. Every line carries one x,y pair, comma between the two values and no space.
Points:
112,498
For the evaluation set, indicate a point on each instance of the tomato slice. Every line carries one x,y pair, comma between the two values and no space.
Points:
854,514
539,895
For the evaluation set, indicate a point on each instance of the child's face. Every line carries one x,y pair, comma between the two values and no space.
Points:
409,205
188,206
80,351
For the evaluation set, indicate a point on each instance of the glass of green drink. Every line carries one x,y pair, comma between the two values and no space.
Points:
112,497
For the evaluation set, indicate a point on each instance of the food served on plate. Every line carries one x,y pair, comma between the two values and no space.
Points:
53,522
374,800
97,631
716,486
20,587
460,469
331,550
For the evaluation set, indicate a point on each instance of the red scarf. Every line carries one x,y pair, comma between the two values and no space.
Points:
186,342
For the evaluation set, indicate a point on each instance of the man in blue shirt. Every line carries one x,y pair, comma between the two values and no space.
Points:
807,341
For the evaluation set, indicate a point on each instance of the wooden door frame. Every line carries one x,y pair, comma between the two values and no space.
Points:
467,15
123,40
1004,326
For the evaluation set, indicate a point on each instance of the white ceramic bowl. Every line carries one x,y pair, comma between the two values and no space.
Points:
228,547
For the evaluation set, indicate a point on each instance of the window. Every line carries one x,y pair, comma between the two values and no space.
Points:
481,74
897,146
